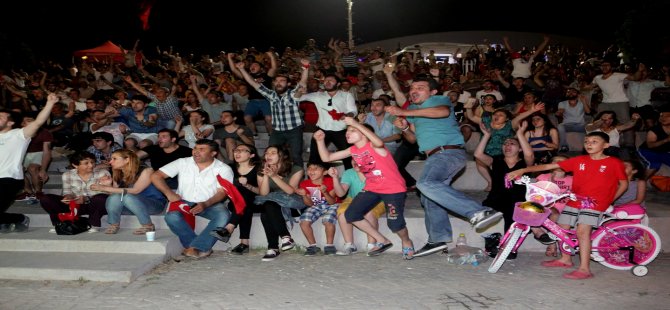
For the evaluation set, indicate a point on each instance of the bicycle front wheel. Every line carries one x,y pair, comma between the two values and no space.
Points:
610,244
505,249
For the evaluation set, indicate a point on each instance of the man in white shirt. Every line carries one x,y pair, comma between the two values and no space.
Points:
333,105
199,188
13,146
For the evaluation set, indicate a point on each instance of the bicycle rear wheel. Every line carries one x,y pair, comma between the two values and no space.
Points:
646,243
504,250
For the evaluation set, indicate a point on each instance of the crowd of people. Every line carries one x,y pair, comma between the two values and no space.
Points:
177,134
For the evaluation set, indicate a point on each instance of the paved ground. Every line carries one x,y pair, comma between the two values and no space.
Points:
226,281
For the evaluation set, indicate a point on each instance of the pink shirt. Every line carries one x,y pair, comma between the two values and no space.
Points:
564,183
381,172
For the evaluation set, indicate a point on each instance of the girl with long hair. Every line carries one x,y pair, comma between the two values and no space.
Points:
131,193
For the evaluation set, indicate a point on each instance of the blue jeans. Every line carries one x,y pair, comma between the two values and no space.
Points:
564,128
166,123
141,206
217,215
438,197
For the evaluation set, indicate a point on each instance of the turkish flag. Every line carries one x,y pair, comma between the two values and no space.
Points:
185,210
234,195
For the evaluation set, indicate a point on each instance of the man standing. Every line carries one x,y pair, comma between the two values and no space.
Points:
333,105
382,123
432,125
13,146
199,188
287,123
257,103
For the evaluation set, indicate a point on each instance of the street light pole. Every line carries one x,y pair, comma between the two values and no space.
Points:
350,24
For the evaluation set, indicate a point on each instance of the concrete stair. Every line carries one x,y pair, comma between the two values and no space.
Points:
39,255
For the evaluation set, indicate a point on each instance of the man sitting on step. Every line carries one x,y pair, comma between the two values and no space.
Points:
199,189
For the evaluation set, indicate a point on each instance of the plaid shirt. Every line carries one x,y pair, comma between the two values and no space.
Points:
168,109
285,111
100,156
73,184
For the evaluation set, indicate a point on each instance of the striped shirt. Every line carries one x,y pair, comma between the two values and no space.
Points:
285,111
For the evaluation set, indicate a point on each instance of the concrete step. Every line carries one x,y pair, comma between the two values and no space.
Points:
38,239
39,255
102,267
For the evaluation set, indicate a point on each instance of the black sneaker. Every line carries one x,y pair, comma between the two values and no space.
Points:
312,250
430,248
511,255
23,226
221,233
270,255
287,243
240,249
329,250
545,239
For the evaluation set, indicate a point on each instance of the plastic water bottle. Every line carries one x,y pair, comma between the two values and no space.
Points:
461,241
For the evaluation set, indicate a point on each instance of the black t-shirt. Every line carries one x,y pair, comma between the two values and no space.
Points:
160,158
260,78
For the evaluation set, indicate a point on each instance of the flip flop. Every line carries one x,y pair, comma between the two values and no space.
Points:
381,248
578,275
408,253
556,263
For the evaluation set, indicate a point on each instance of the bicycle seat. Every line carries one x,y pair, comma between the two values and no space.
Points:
629,211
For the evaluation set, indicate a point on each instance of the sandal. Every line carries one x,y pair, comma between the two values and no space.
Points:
112,229
144,229
379,248
578,275
408,253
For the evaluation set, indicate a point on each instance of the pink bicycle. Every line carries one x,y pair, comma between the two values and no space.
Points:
621,242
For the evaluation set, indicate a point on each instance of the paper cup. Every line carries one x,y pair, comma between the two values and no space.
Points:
151,235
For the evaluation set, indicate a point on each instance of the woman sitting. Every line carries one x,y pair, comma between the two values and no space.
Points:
542,137
246,180
77,185
277,184
131,193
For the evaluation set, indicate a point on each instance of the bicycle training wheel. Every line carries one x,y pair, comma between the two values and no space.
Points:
645,240
505,249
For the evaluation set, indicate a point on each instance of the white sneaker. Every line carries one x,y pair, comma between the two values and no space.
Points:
348,249
93,229
52,231
483,219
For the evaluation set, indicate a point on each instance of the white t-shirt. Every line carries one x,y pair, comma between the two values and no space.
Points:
572,114
196,185
13,146
342,102
612,87
522,68
189,135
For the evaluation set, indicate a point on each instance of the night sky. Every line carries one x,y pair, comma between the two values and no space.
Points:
211,26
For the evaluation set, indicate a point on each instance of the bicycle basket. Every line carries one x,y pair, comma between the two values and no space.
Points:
528,217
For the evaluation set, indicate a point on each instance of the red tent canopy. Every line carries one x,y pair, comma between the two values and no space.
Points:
106,49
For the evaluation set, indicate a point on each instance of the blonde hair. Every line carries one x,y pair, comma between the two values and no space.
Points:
128,174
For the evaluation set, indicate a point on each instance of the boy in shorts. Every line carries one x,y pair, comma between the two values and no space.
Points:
599,178
319,195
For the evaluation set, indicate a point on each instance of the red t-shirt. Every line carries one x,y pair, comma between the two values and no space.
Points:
597,179
381,172
315,192
37,142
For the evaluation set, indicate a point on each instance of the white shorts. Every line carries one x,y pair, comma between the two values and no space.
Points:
33,158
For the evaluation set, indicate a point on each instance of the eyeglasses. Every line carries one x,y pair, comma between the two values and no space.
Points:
330,102
241,150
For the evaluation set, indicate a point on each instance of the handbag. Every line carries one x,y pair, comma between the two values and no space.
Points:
73,227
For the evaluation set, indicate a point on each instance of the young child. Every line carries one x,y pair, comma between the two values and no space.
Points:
597,176
319,195
564,182
383,182
352,183
637,187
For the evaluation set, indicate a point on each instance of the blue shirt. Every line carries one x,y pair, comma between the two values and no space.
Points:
435,132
